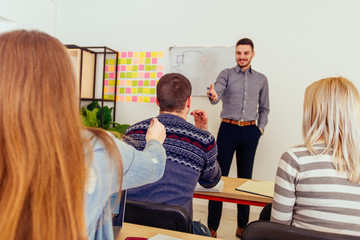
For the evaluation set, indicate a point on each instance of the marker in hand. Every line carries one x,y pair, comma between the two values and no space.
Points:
209,90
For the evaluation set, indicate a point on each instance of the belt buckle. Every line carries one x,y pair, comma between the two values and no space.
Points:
239,123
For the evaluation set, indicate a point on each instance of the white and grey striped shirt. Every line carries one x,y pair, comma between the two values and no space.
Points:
311,194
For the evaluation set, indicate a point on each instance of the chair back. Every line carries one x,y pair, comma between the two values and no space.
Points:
158,215
264,230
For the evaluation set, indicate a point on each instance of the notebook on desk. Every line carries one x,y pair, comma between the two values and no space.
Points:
118,213
262,188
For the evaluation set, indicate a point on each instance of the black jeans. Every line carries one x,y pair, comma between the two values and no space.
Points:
242,140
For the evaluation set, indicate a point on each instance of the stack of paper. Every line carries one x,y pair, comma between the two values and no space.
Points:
217,188
262,188
163,237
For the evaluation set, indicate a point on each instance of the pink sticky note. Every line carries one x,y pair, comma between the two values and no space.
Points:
111,89
106,82
147,75
154,61
128,90
140,83
134,99
123,54
111,75
152,99
141,67
148,54
159,74
106,68
123,68
130,54
153,83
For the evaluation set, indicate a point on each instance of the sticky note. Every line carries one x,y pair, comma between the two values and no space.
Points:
146,99
147,75
147,60
154,54
152,99
123,55
140,99
159,74
130,54
123,61
128,83
160,67
128,99
128,90
148,54
146,90
134,90
160,54
146,83
122,98
134,99
122,90
152,91
153,75
140,90
153,83
134,83
136,54
140,83
154,61
122,82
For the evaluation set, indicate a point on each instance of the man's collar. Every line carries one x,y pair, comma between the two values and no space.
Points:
238,69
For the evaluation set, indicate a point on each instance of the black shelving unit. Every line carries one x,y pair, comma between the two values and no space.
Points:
95,52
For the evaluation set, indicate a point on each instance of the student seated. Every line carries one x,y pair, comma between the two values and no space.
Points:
318,183
191,150
56,176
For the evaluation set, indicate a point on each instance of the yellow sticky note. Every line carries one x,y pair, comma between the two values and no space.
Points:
153,75
128,99
142,60
154,54
136,54
140,99
129,68
122,60
146,90
160,54
134,90
142,54
128,83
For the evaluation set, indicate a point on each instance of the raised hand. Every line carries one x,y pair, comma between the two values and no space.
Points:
201,119
156,131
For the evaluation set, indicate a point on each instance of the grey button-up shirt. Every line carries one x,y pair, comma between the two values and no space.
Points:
245,95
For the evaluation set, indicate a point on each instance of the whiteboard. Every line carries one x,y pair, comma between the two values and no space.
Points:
201,65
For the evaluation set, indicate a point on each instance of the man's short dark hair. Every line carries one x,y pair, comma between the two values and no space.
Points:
172,91
245,41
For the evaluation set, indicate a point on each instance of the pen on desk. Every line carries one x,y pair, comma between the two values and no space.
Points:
209,90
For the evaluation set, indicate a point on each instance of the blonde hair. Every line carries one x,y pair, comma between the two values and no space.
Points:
42,166
331,115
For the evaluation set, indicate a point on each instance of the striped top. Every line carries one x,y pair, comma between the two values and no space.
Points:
311,194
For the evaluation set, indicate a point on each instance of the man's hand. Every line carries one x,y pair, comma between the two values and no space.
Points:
262,131
212,93
201,119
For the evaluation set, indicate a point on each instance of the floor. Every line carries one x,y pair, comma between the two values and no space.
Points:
228,224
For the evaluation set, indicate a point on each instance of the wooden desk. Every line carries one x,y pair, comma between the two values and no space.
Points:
134,230
229,194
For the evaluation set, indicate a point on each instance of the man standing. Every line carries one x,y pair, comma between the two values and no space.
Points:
245,96
191,150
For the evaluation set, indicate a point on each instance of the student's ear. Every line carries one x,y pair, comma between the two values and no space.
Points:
253,54
157,102
188,102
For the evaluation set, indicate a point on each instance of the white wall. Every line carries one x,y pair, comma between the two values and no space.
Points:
296,42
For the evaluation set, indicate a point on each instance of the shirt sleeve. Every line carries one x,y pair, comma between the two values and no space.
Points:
284,194
211,174
264,105
140,167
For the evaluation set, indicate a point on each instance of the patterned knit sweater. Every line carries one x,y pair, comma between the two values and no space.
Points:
191,158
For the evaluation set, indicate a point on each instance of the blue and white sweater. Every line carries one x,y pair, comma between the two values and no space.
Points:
191,158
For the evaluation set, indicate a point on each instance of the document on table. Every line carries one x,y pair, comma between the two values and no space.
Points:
217,188
262,188
163,237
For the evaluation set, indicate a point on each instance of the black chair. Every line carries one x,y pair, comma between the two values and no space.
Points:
264,230
158,215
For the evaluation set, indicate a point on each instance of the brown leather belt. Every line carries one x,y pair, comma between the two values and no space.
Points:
239,123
